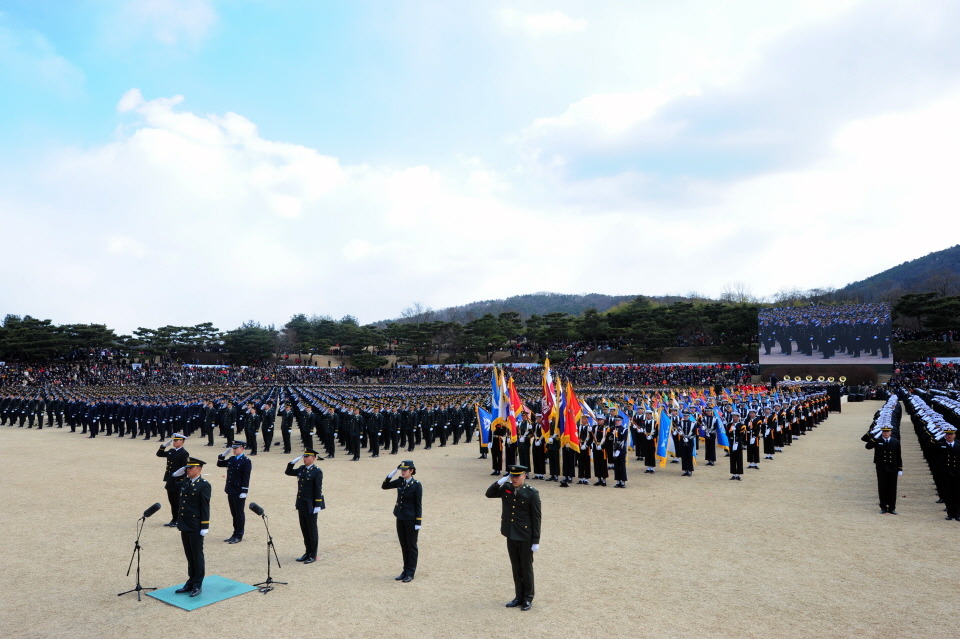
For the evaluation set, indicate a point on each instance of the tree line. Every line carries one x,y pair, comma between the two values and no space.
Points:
642,327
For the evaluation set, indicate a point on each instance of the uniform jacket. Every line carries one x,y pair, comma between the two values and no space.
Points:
238,474
309,486
194,511
886,454
520,515
409,498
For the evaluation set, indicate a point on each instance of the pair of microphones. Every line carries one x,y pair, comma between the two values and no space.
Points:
149,512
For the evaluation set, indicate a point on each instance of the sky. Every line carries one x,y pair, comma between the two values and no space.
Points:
172,162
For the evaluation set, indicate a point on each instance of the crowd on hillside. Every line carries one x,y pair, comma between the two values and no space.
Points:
108,374
926,375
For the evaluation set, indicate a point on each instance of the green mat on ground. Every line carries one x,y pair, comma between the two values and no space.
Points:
215,588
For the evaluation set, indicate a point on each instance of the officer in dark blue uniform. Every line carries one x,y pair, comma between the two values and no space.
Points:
238,468
177,457
409,514
309,501
520,524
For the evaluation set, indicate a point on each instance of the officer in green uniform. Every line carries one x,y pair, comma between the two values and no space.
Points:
193,522
309,501
409,514
520,524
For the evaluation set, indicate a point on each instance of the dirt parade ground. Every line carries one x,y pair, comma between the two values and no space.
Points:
796,549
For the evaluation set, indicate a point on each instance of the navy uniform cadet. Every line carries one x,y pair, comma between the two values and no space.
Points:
237,486
947,464
309,501
409,513
886,457
737,435
269,416
647,443
520,524
619,440
177,457
286,423
685,429
193,521
754,434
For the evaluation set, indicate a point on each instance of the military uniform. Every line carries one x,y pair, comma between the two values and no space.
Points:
309,500
520,524
409,513
176,459
886,458
193,520
237,486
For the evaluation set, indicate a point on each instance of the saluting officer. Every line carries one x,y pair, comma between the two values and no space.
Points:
193,521
177,457
309,501
886,457
520,524
409,514
238,484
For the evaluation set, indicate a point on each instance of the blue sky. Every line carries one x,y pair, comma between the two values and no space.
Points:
180,161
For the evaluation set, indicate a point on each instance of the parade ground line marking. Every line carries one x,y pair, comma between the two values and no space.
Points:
215,588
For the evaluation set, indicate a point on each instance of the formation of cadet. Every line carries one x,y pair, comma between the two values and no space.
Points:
354,420
935,416
852,329
766,424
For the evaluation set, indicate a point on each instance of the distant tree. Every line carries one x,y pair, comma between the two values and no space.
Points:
366,361
251,343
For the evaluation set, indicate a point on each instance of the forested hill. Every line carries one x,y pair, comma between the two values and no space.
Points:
937,272
525,305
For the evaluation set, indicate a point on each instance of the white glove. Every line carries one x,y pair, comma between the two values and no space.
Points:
503,479
535,547
168,444
297,459
243,495
392,474
417,527
204,531
616,453
316,510
522,438
180,471
899,473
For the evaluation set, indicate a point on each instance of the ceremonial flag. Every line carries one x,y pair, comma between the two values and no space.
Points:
626,425
664,440
484,419
570,437
722,440
548,402
515,408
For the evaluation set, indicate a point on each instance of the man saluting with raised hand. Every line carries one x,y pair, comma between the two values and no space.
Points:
520,524
309,501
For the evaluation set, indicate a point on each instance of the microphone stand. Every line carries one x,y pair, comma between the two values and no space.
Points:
136,553
266,586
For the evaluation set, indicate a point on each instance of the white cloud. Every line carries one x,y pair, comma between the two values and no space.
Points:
171,23
535,24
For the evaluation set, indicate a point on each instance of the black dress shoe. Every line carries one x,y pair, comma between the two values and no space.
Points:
496,472
185,588
171,524
308,560
235,540
407,579
892,511
513,603
527,605
400,577
230,540
196,592
302,557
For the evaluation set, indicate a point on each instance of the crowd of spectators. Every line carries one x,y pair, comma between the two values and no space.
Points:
167,374
926,375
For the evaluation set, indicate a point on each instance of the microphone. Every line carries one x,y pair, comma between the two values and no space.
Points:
152,509
257,510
